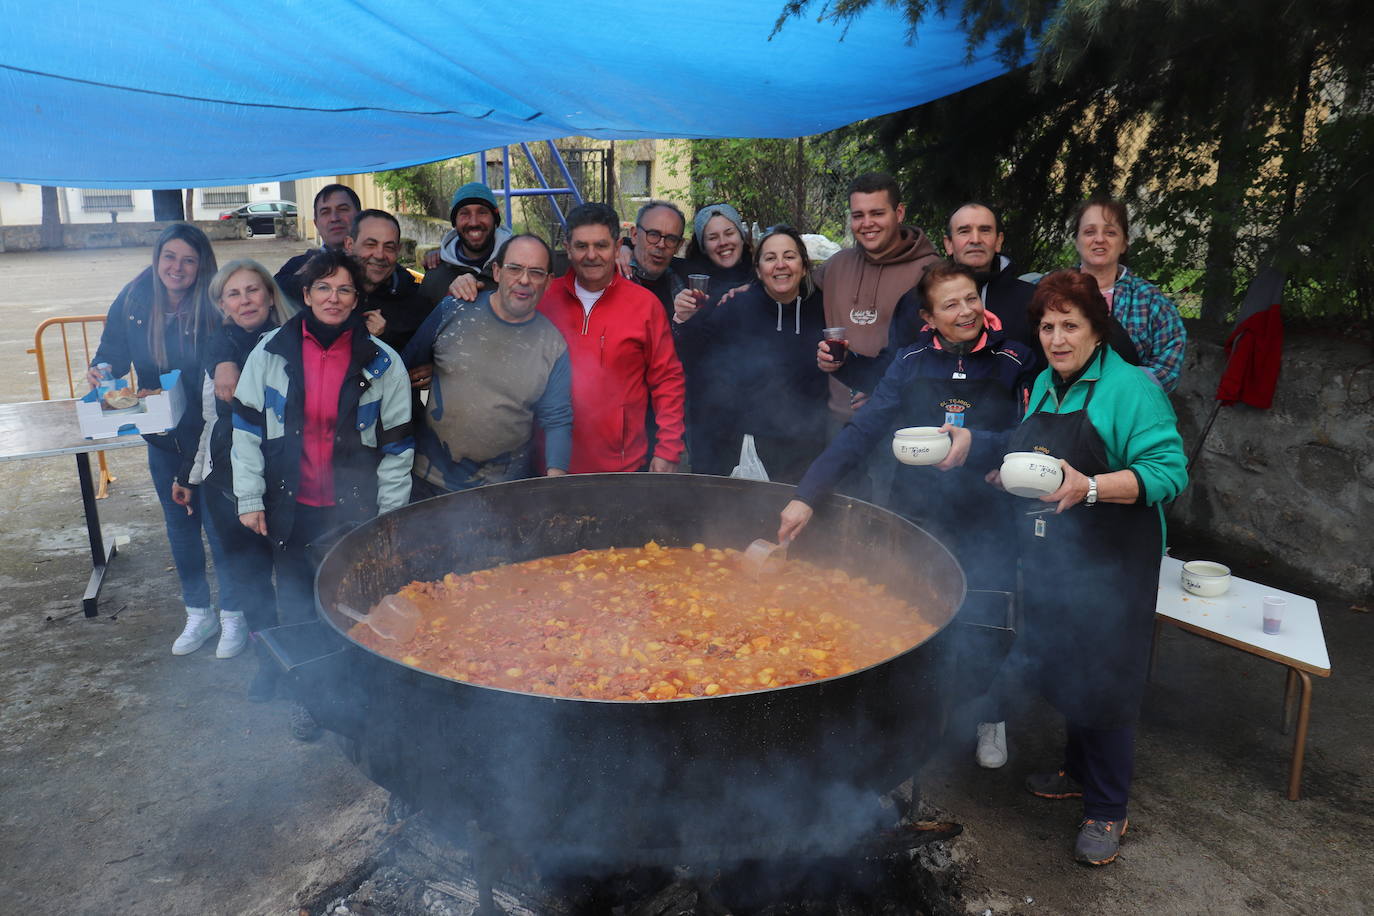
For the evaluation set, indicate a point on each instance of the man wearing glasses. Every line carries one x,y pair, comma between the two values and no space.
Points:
655,239
495,367
622,353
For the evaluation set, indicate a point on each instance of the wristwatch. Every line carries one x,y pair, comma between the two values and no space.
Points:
1091,498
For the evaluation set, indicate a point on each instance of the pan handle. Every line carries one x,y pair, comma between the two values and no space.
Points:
294,646
985,637
997,610
320,545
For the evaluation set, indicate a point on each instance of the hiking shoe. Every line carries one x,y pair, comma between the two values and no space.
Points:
303,724
1098,841
1054,785
992,744
201,624
233,634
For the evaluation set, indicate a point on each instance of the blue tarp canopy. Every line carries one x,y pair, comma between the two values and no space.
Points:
157,94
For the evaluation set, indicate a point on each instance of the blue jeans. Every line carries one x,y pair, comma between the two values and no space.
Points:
245,573
183,534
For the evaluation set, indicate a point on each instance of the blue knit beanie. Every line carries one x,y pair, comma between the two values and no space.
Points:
474,192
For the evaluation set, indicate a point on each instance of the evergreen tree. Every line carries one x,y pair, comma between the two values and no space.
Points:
1238,132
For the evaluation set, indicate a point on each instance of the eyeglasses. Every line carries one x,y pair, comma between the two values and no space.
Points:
324,291
654,237
536,274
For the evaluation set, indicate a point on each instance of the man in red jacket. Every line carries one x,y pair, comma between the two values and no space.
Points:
622,354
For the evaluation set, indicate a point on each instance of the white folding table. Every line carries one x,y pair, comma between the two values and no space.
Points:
37,429
1234,619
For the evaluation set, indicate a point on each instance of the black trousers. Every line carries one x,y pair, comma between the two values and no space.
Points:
296,562
248,558
1103,760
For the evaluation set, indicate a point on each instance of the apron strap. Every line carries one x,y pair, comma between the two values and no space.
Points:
1092,385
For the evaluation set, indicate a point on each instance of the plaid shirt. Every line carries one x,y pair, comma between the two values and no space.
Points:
1153,323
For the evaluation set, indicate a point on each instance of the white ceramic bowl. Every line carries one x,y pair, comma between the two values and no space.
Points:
1205,578
1031,474
920,445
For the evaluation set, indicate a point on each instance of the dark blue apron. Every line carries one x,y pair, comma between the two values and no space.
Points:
972,518
1091,578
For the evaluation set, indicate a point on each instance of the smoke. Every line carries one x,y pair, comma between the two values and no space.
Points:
583,784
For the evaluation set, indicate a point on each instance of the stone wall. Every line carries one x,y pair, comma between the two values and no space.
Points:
427,231
113,235
1295,483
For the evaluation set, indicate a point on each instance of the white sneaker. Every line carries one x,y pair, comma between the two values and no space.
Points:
992,744
200,626
233,634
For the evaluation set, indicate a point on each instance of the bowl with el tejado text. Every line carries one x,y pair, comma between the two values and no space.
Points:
920,445
1031,474
1205,578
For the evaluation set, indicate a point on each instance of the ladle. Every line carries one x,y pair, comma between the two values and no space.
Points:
764,557
393,618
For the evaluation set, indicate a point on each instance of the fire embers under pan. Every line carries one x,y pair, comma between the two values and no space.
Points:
907,869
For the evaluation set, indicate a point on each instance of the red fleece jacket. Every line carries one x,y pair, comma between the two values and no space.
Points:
623,358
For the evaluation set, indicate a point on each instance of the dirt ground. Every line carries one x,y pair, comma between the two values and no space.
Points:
135,782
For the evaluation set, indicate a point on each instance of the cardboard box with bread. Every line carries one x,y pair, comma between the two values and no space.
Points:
120,411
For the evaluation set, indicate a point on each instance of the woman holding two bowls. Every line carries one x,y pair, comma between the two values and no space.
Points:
961,372
1090,562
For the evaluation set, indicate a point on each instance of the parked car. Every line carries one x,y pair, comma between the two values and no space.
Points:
260,215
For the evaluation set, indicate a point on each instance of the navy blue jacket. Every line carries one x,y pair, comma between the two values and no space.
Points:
1004,363
758,361
230,344
125,342
1005,294
398,299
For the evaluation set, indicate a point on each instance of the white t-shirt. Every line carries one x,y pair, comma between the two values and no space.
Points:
588,297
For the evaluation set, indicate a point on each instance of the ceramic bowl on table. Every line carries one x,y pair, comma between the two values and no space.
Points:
1031,474
1205,578
920,445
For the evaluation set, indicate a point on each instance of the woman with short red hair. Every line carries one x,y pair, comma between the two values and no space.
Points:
1090,567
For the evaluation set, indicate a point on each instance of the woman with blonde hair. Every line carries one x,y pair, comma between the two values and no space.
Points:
252,305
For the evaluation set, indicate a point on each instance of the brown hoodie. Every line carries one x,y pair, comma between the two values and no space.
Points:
861,293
